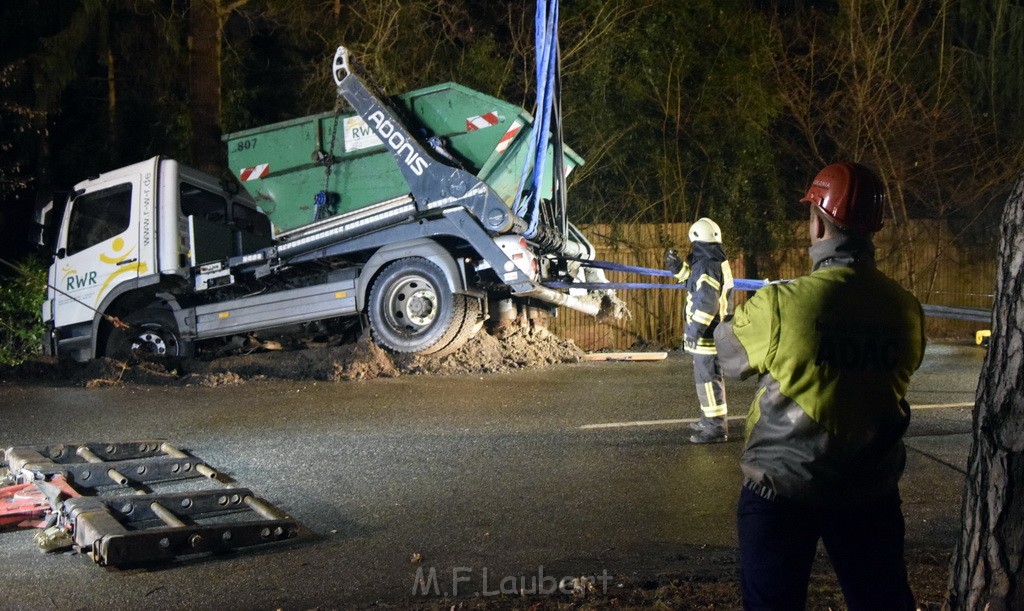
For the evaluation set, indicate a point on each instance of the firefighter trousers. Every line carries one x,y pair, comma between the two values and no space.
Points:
710,383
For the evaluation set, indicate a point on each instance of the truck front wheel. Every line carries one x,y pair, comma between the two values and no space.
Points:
152,332
412,309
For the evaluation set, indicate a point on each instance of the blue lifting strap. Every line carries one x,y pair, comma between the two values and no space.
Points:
546,41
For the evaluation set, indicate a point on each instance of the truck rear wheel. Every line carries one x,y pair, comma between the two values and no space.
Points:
471,323
412,309
151,332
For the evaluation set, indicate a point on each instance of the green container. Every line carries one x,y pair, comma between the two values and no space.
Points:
277,163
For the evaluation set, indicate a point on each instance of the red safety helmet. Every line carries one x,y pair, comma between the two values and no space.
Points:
849,194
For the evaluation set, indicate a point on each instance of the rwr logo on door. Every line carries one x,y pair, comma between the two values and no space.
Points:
79,281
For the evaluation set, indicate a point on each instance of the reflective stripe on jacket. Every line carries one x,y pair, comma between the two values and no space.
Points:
834,352
709,286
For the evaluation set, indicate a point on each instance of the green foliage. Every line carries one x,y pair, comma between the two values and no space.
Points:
21,299
18,124
670,105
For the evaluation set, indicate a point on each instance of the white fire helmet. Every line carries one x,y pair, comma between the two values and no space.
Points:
705,230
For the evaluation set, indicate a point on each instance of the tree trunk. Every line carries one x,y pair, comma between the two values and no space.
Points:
112,106
204,84
987,568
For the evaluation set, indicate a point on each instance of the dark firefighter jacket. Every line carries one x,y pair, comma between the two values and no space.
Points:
834,352
707,278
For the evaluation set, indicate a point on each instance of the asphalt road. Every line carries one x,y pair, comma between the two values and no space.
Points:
494,473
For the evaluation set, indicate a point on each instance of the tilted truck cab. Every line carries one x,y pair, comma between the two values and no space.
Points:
127,242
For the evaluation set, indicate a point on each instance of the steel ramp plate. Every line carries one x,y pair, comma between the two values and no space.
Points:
128,514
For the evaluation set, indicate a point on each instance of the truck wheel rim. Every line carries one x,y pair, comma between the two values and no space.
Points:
149,343
411,304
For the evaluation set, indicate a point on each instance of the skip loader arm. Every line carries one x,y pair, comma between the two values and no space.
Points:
433,184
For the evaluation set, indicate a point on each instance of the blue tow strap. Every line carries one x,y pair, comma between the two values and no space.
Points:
739,284
620,267
981,315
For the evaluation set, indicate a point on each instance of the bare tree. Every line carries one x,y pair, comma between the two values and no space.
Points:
987,569
206,21
878,81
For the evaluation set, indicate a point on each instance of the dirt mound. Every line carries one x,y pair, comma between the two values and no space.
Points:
519,348
361,360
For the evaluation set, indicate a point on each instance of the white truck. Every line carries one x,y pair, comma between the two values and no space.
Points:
418,228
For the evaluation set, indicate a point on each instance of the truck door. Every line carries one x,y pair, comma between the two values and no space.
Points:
99,249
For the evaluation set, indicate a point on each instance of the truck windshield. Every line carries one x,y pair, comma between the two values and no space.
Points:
98,216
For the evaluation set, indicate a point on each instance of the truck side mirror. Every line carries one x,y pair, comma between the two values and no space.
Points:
48,216
61,252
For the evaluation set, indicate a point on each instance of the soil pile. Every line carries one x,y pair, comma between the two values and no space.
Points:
519,348
361,360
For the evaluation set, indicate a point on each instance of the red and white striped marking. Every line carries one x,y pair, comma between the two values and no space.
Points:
482,121
509,136
255,172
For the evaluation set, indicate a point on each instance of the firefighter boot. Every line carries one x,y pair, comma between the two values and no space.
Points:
714,430
703,423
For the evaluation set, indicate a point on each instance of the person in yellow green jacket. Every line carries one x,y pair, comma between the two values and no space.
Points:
708,280
834,352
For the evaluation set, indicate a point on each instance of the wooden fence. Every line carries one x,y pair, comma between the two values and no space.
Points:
925,259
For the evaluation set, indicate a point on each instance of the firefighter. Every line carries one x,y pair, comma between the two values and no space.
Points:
834,352
707,278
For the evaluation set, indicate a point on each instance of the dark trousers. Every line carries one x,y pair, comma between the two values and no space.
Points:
778,542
